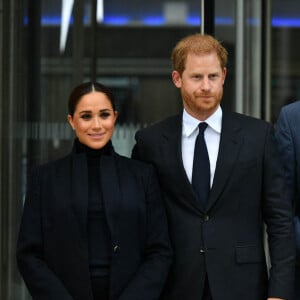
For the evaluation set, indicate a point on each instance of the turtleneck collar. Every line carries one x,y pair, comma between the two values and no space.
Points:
81,148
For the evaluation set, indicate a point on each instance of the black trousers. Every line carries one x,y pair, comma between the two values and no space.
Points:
100,288
206,292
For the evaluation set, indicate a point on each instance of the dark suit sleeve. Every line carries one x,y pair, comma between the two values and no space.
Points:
149,280
135,154
277,213
285,132
287,151
41,282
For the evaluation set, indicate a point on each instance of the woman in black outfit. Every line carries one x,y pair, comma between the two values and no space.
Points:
93,225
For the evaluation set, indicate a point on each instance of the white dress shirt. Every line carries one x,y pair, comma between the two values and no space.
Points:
212,138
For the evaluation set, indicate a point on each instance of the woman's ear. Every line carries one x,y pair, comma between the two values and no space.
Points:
70,120
116,115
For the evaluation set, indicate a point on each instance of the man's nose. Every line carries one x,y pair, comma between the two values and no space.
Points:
205,84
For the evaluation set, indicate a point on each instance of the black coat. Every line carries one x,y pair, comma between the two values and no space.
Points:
225,240
52,251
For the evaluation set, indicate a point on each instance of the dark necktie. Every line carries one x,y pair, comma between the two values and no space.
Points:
201,167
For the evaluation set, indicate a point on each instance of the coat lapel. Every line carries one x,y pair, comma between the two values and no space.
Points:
79,188
74,185
110,190
230,145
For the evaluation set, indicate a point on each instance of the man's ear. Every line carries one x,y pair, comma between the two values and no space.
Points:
176,79
224,74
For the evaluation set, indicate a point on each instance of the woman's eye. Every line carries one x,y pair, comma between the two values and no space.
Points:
104,115
86,117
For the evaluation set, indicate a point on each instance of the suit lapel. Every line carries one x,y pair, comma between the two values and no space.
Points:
172,156
171,149
230,145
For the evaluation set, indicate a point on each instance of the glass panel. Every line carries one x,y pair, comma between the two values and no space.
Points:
241,34
285,54
225,31
131,12
129,50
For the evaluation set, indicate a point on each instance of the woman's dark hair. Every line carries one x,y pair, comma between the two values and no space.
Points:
86,88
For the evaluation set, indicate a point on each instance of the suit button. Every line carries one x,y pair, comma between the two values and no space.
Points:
206,218
116,249
202,251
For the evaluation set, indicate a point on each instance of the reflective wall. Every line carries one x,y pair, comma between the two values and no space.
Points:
285,55
49,46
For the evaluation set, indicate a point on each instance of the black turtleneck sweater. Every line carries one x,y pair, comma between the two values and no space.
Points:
97,229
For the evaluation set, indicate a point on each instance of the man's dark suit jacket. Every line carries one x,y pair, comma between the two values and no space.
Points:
225,240
52,247
288,136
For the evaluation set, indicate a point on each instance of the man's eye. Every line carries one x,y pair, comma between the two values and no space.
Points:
213,76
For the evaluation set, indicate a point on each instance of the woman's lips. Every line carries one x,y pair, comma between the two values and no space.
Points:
96,135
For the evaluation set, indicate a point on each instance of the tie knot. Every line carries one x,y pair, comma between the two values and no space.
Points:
202,126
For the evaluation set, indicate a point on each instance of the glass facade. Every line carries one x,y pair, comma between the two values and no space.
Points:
285,58
49,46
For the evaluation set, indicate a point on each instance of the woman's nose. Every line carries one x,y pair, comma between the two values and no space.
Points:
96,122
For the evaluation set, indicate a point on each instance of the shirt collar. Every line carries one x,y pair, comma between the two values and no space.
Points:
190,123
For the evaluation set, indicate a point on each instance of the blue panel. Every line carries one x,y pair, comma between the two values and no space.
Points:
158,20
285,22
